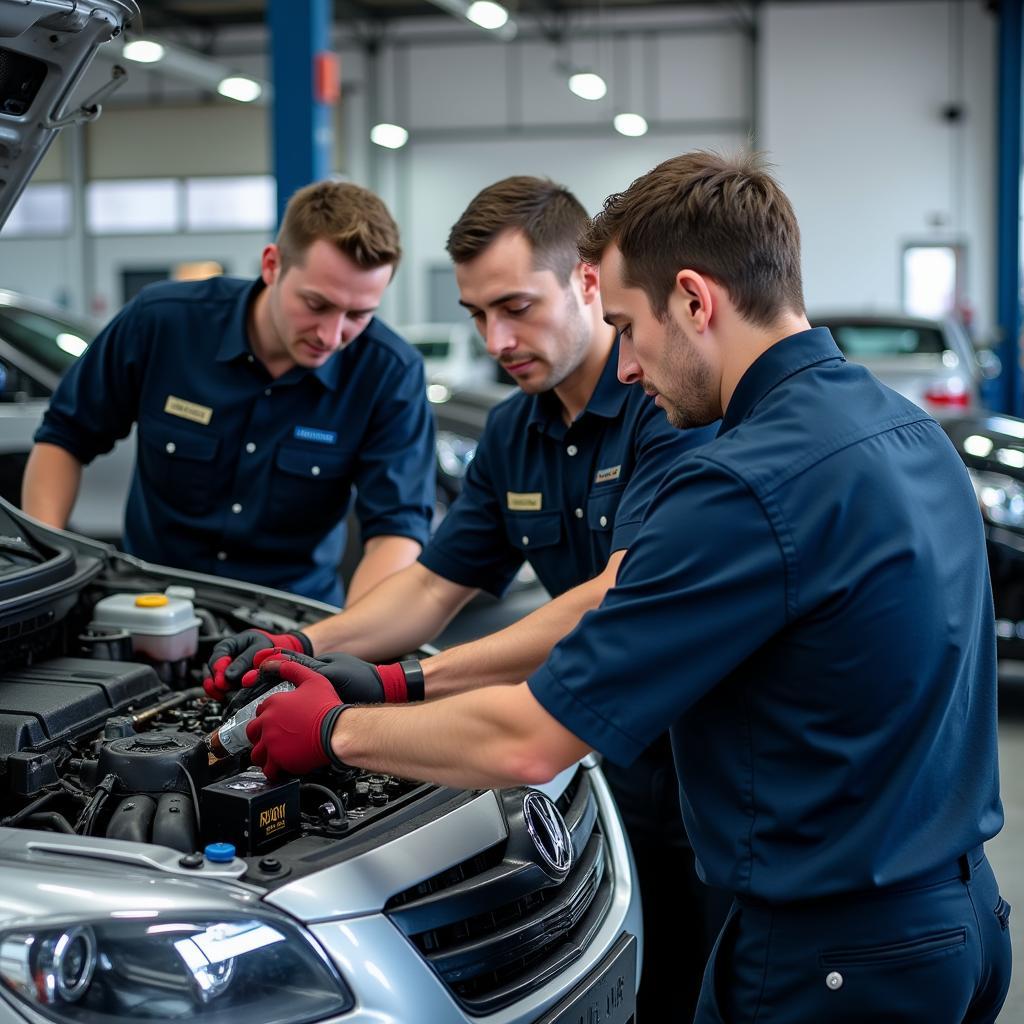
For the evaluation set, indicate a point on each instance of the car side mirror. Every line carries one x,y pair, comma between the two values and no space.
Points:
989,363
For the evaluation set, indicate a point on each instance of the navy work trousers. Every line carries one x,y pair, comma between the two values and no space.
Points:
934,953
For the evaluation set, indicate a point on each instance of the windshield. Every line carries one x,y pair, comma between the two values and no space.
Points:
54,343
864,340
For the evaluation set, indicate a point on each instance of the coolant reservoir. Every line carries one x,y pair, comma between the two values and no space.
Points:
162,627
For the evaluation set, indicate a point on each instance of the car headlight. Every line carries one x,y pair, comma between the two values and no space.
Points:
164,967
454,453
1001,498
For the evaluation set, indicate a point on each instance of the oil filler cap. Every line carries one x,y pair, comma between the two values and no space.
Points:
220,853
151,600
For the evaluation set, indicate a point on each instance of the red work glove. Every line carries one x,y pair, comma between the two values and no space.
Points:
355,681
233,657
291,732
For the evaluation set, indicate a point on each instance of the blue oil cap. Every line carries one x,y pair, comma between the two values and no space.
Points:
220,853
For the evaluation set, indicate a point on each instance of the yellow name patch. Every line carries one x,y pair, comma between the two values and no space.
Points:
188,410
604,475
528,502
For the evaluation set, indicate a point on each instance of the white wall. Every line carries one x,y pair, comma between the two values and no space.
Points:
850,98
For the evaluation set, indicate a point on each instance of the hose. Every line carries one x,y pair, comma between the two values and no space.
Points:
325,792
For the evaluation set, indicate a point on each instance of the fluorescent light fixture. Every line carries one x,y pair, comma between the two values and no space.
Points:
390,136
587,85
633,125
238,87
487,14
143,51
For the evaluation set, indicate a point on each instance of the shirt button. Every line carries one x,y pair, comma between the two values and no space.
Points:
315,471
571,450
250,447
170,448
251,358
834,980
267,392
526,540
603,520
579,513
222,556
236,508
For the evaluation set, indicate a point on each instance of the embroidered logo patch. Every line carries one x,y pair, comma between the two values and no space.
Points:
188,410
611,473
525,502
319,436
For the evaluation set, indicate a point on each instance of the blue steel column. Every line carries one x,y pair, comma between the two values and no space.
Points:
1008,255
302,126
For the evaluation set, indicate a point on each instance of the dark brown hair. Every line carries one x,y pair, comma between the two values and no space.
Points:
548,214
348,216
725,217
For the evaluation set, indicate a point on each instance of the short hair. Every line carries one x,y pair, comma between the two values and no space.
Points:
351,218
548,214
725,217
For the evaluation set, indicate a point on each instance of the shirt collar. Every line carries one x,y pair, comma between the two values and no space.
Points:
235,343
771,368
606,401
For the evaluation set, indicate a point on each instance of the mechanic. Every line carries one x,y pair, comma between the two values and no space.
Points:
260,405
807,602
560,479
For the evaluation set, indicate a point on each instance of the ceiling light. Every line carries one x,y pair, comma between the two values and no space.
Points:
587,85
633,125
390,136
143,51
487,14
238,87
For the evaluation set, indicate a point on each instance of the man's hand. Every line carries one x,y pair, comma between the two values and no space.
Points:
291,733
234,655
355,681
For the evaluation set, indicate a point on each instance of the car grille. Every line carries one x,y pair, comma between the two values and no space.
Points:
495,927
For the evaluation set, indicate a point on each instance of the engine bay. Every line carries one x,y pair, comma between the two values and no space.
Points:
104,733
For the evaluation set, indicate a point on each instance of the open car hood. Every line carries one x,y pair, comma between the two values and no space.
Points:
45,48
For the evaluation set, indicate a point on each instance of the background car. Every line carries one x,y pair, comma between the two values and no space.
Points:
38,343
453,353
931,362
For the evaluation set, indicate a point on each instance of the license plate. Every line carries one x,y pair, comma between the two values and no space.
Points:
608,996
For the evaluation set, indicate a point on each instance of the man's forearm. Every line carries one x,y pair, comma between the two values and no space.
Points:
50,484
404,611
493,737
382,557
518,650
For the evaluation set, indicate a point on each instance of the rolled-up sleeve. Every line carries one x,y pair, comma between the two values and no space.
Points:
702,586
97,400
471,546
395,472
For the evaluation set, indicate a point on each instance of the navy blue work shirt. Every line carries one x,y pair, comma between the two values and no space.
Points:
808,602
239,474
561,496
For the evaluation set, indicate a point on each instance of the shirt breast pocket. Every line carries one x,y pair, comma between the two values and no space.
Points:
309,489
533,531
180,466
602,508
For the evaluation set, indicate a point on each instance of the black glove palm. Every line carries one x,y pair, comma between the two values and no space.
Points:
234,656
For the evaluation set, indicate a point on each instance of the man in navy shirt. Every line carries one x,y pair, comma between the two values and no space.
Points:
260,405
561,478
807,602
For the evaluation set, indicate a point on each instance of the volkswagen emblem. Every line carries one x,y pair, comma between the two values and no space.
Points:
549,834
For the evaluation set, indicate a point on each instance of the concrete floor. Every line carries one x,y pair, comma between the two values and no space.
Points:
1006,851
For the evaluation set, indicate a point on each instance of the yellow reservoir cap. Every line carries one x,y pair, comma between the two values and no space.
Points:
151,601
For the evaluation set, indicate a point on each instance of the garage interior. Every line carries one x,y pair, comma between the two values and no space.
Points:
893,125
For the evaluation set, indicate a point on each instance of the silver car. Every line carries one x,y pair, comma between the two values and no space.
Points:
930,362
144,878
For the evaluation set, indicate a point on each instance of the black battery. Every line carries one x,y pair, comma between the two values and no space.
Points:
247,810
